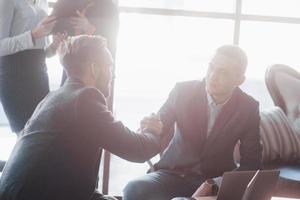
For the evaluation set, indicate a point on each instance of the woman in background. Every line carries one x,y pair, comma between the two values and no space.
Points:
88,17
24,26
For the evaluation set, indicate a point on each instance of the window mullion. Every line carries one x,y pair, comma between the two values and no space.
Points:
237,22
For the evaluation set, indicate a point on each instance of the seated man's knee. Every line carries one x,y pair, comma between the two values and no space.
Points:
137,190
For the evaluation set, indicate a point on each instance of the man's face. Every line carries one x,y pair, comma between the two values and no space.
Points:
223,76
104,78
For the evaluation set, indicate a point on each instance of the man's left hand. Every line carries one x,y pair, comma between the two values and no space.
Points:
205,189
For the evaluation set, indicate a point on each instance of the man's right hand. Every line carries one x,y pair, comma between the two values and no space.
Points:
44,28
151,124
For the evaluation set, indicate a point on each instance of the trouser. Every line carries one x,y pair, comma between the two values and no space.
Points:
98,196
162,185
2,163
23,84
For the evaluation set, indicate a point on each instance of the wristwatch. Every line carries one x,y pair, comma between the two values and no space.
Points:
214,186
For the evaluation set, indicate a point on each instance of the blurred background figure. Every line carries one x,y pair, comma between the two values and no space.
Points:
88,17
24,27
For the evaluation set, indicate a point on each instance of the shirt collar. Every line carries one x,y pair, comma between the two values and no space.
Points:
211,101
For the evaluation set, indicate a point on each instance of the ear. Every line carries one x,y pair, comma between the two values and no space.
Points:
241,80
96,71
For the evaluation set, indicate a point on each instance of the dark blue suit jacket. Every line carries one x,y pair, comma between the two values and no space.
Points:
57,158
190,151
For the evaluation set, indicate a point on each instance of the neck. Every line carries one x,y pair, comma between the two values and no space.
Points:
88,81
221,99
81,75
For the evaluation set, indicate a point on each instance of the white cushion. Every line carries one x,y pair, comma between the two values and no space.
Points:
279,137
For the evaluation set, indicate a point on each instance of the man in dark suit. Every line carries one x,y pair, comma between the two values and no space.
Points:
209,117
57,157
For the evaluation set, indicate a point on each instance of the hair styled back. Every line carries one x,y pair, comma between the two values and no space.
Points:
235,55
78,51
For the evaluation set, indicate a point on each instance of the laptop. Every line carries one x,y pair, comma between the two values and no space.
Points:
248,185
261,185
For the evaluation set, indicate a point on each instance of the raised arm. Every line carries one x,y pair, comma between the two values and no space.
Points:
167,113
97,122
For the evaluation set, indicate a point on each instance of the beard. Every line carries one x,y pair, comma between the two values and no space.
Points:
103,87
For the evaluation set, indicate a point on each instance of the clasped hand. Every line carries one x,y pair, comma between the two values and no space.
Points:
151,124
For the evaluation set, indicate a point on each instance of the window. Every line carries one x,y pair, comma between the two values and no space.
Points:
269,43
163,50
283,8
203,5
54,72
7,141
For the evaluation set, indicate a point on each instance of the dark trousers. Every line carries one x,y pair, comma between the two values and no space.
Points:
162,185
23,84
2,163
99,196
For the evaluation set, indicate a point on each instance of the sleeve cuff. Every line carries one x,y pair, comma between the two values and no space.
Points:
218,181
15,44
28,40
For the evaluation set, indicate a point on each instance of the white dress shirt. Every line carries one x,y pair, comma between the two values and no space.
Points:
213,111
17,19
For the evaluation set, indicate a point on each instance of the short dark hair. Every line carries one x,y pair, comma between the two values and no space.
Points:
80,50
236,54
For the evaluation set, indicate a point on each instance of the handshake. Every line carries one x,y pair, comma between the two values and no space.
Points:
151,124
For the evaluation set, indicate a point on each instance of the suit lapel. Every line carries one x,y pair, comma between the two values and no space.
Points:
198,118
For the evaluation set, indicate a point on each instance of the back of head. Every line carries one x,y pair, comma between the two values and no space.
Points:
235,55
79,51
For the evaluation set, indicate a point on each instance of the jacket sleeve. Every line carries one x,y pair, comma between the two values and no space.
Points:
251,147
167,112
98,123
10,45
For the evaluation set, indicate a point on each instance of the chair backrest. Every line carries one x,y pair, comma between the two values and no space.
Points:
283,83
